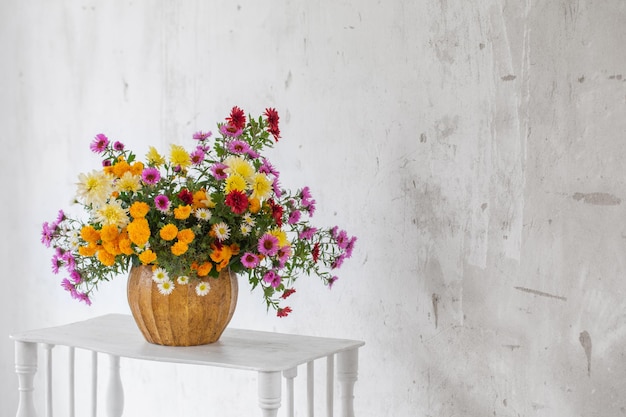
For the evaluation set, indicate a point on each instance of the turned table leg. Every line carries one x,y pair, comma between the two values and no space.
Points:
115,392
347,372
269,393
25,368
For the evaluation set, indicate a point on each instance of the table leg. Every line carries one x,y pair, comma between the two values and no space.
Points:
25,368
115,401
347,372
269,393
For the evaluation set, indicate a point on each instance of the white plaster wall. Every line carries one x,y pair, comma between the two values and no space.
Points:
476,149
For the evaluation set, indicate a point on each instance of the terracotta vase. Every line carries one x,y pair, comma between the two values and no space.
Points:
181,318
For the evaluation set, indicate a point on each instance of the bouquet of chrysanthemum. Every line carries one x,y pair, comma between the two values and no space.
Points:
192,214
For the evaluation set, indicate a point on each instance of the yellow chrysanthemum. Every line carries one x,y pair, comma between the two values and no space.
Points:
182,212
106,258
112,213
139,231
89,234
179,248
179,156
200,199
238,165
94,188
129,183
139,209
281,236
186,236
235,182
154,158
147,257
261,186
168,232
109,233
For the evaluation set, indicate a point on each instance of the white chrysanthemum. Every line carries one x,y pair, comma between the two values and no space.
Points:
166,287
183,280
203,288
203,214
74,239
112,213
94,188
248,219
128,183
245,229
221,230
160,275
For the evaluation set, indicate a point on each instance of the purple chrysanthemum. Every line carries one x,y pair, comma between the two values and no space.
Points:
200,135
99,143
46,234
350,247
267,168
294,217
197,156
249,260
332,281
70,261
283,255
238,147
76,277
81,296
56,263
229,130
307,233
150,176
268,244
118,146
162,203
272,278
253,154
342,239
218,171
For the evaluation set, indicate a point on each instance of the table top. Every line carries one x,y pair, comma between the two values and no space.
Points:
117,334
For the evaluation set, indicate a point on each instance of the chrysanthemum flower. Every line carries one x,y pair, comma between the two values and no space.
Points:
183,280
202,214
247,218
128,183
221,230
118,146
109,233
237,118
200,135
238,147
197,157
150,176
281,236
294,217
203,288
283,312
94,188
272,278
99,143
182,212
239,165
179,248
218,170
268,245
159,275
249,260
204,269
179,156
112,213
168,232
261,186
245,229
139,209
237,201
147,257
287,293
186,236
272,122
162,203
139,231
235,182
166,287
153,157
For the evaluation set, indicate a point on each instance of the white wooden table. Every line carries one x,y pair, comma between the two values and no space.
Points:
271,355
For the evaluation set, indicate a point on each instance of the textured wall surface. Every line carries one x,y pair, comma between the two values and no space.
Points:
476,149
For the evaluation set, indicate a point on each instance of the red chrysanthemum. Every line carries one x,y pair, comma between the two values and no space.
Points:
186,196
283,312
237,201
277,212
287,293
316,252
237,118
272,122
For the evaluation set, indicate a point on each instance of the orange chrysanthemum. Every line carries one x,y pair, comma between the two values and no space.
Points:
106,258
136,168
109,233
89,250
199,198
120,168
89,234
204,269
179,248
139,209
255,205
147,257
186,236
168,232
182,212
139,231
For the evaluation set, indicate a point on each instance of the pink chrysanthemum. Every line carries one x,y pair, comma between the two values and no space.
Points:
99,143
218,171
272,278
294,217
197,156
332,281
150,175
202,135
250,260
229,130
307,233
238,147
118,146
268,245
162,203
